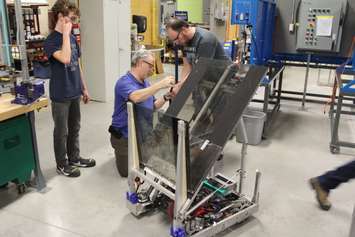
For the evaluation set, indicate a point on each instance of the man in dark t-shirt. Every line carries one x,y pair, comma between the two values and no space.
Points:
196,42
66,89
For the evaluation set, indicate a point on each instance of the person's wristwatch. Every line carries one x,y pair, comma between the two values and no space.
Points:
165,98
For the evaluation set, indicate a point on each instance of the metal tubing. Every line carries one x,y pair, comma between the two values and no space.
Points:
39,178
21,43
306,81
352,230
266,98
160,178
244,152
205,200
345,144
133,155
153,183
212,95
190,201
176,53
255,198
181,175
5,34
200,203
334,130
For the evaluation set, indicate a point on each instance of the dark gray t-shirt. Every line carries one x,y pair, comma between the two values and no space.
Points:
206,45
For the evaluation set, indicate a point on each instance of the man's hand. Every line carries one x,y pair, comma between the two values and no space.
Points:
66,26
167,82
177,88
64,54
169,95
238,61
86,96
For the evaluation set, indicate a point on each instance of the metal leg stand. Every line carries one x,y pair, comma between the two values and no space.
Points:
270,97
306,82
39,179
266,109
280,89
334,146
352,230
266,98
241,125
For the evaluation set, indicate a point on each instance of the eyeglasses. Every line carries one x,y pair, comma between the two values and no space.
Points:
74,19
151,65
177,37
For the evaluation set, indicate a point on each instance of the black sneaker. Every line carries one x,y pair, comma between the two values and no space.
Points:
68,170
84,163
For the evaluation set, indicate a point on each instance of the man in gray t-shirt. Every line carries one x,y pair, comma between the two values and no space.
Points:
203,44
196,42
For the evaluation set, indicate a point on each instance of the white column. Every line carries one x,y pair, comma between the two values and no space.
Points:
105,34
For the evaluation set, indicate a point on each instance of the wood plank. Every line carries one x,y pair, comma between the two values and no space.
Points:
9,110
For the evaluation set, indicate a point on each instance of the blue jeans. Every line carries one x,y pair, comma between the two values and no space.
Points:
334,178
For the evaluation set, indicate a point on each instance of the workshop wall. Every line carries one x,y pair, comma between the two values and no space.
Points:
220,25
194,8
150,9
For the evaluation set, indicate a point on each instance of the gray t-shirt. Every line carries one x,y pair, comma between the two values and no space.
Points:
206,45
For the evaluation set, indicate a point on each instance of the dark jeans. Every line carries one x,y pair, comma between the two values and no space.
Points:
66,116
121,152
334,178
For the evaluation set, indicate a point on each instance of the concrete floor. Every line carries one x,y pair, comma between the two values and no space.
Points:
94,204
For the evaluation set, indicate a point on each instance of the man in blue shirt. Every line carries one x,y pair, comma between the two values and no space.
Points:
66,88
330,180
134,87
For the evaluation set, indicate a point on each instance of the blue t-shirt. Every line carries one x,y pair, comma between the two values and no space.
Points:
65,83
124,87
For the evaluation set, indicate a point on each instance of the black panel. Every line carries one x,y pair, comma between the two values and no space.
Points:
204,76
233,105
157,132
222,115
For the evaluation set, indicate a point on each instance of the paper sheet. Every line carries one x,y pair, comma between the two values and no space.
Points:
324,25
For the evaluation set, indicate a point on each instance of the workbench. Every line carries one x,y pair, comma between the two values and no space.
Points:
17,137
337,107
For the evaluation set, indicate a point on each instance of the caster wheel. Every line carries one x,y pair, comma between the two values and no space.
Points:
21,188
334,150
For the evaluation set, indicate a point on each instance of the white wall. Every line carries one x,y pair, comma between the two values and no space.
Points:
43,20
217,27
105,34
92,38
43,17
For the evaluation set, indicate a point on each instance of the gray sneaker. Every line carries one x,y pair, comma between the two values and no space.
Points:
83,163
68,170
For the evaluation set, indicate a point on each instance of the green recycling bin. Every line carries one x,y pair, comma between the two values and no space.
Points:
16,151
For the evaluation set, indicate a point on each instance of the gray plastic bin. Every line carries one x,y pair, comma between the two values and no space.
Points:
254,125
